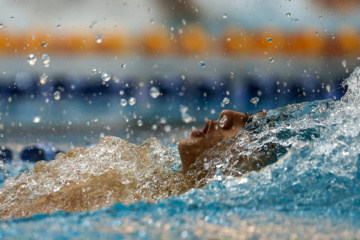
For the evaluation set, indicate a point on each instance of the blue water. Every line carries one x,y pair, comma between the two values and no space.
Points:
312,191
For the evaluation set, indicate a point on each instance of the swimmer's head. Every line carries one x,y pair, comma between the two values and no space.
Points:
227,126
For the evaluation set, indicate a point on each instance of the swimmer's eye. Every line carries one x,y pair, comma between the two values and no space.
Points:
228,125
225,122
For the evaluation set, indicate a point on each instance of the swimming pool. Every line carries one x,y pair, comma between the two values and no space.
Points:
312,191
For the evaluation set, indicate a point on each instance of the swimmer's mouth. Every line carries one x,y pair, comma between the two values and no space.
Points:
197,133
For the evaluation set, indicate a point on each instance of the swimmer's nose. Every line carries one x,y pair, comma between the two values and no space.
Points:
207,127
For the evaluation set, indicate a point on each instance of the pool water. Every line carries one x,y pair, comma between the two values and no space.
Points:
312,191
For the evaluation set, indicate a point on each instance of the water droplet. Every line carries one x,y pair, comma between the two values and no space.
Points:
123,102
93,71
183,77
36,119
122,92
333,36
31,59
225,16
212,111
58,26
288,63
105,77
202,64
226,100
57,95
254,100
269,39
187,118
1,25
123,66
223,121
154,127
167,128
44,44
98,39
344,63
139,122
162,120
288,14
43,79
328,88
183,109
154,92
46,60
132,101
271,59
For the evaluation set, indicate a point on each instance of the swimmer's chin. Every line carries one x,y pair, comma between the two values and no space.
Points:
189,150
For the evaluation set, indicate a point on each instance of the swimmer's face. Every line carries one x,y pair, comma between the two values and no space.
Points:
227,126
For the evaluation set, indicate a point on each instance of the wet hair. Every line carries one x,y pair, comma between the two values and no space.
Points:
255,120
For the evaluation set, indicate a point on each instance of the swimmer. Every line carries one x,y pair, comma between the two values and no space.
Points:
116,171
226,127
223,143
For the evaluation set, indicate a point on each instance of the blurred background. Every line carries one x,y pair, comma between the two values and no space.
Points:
73,71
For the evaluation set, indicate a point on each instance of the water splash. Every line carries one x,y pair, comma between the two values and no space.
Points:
312,188
130,172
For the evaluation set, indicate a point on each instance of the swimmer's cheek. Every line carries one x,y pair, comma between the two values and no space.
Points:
214,139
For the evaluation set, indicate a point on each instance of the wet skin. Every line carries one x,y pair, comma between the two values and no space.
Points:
227,126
